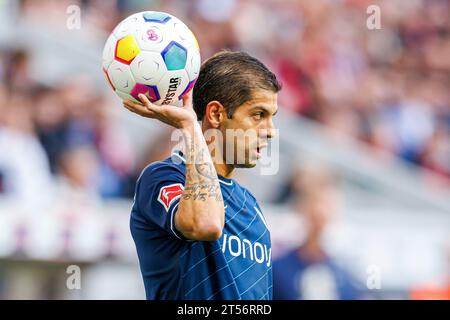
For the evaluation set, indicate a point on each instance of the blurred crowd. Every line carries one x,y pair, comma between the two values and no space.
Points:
387,87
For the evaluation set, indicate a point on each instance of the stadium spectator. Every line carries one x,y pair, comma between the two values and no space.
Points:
77,180
308,271
22,156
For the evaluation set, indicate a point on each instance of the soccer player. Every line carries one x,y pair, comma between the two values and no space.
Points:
198,233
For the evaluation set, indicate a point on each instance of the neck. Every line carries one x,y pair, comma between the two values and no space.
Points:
222,168
312,249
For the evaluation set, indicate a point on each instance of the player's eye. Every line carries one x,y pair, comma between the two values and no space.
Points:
258,115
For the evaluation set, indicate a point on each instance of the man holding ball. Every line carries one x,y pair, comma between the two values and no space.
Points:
199,234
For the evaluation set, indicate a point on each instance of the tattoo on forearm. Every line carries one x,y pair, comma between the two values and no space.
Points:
202,191
201,177
204,168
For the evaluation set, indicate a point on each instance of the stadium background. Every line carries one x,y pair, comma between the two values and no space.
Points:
365,115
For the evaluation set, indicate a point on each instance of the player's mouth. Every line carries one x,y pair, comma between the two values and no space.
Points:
258,150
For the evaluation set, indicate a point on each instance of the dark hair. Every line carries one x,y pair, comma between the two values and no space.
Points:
230,78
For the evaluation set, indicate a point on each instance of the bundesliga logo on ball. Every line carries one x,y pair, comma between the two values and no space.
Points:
152,53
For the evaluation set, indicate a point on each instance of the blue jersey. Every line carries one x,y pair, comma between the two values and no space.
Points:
237,266
296,278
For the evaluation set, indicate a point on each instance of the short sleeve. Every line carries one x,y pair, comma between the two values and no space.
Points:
158,194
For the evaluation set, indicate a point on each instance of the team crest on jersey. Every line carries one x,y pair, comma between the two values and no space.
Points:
169,194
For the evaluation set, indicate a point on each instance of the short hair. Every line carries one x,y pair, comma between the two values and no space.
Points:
231,78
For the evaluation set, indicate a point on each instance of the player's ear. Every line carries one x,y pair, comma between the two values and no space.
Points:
215,113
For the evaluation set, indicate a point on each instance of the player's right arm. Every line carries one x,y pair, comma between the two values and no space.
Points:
200,214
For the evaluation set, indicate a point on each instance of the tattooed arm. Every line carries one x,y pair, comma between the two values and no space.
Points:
200,214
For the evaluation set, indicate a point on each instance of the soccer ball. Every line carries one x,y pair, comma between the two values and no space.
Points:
152,53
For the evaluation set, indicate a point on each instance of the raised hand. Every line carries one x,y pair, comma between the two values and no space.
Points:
174,116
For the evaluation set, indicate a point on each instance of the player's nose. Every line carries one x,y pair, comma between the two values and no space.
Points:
268,131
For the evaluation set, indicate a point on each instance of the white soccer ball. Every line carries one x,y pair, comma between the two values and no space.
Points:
153,53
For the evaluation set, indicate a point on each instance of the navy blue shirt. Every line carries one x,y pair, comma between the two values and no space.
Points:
237,266
297,278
